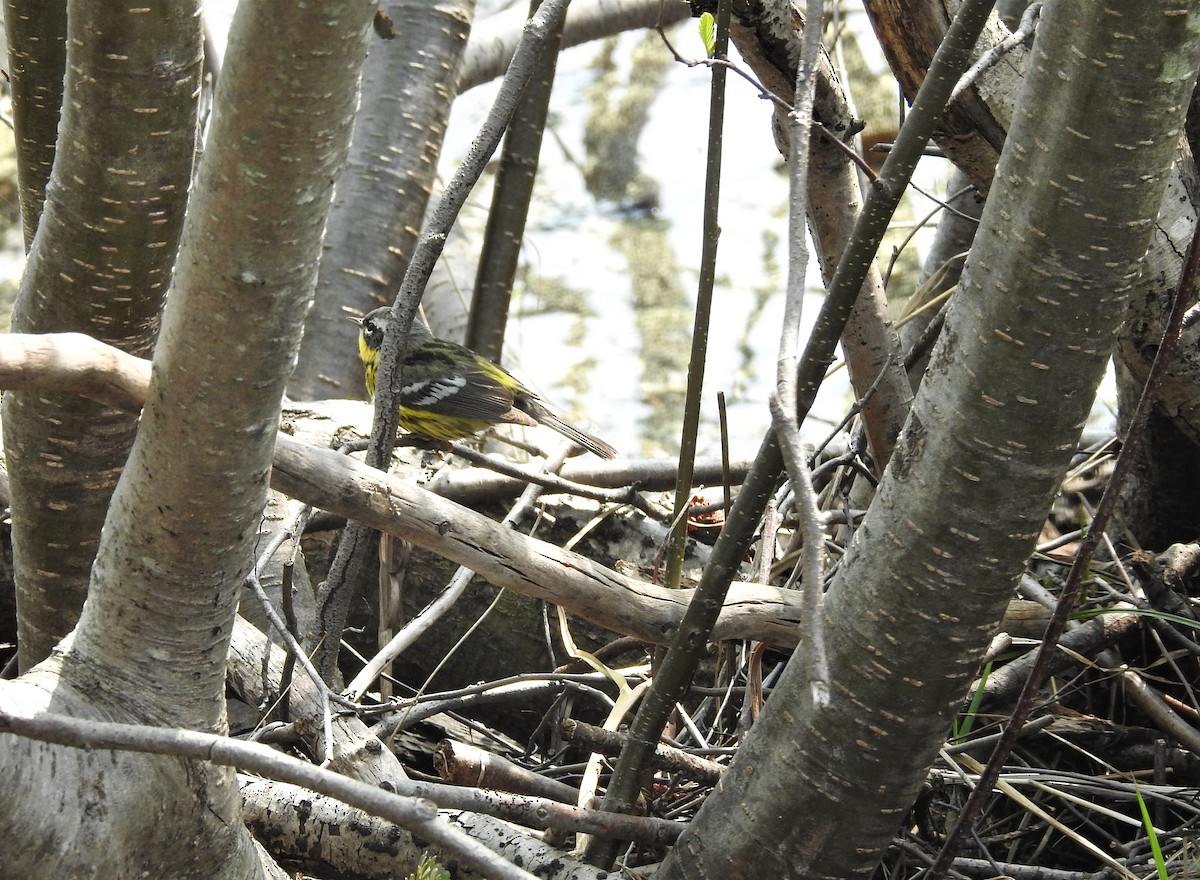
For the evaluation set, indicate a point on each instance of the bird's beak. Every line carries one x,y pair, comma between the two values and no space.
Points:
357,322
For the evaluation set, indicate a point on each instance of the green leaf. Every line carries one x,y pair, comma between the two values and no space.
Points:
1159,863
708,27
961,729
429,869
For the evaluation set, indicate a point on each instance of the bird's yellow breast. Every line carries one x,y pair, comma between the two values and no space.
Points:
370,358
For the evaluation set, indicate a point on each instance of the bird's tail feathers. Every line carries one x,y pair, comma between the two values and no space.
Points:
587,441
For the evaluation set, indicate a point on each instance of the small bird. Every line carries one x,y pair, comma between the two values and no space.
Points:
451,392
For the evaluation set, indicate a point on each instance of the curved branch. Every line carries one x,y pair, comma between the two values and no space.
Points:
494,40
73,363
517,562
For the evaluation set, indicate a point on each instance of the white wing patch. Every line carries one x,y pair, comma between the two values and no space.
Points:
428,393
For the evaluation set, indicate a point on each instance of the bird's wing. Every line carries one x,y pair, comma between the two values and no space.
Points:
465,393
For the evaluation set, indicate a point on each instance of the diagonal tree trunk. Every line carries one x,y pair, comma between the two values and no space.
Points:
1159,505
819,791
